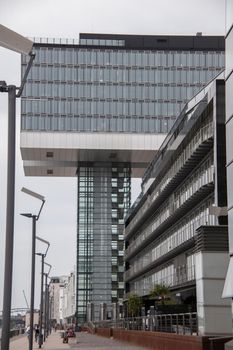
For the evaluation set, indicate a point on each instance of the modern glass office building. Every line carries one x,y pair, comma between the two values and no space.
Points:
103,200
120,83
99,108
175,234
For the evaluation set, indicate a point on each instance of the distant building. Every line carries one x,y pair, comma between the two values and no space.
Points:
35,319
56,292
175,234
69,299
99,109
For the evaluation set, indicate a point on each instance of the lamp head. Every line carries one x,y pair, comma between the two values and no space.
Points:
33,194
40,254
27,215
14,41
3,86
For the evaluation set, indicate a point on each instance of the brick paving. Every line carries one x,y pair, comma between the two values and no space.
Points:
87,341
83,341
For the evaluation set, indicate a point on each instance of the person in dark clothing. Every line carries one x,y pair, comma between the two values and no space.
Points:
37,331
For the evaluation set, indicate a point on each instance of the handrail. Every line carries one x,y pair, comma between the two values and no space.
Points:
182,323
202,135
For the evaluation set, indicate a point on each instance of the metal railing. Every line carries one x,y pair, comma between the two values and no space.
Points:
91,326
184,323
200,137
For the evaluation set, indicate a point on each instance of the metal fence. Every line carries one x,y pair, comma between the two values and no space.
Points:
185,323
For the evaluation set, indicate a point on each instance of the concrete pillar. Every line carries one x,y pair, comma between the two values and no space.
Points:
103,311
214,313
115,311
90,312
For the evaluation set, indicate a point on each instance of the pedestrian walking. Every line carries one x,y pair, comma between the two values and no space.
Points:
37,332
27,332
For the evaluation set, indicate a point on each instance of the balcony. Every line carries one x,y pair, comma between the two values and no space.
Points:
140,269
150,235
195,151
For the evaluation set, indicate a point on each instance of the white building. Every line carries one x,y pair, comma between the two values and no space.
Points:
69,299
56,287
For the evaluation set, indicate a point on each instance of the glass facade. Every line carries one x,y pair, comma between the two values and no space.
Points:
201,176
111,84
171,239
112,90
169,275
101,42
103,200
161,229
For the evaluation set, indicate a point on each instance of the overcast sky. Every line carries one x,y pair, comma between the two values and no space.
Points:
66,19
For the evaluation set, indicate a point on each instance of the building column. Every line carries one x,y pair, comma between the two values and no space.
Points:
213,312
103,200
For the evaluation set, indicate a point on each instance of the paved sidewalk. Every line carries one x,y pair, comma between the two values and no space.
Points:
83,341
87,341
53,342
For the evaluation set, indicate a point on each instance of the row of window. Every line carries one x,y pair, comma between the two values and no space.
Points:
164,276
128,58
102,108
200,136
98,216
201,177
113,75
101,124
115,262
86,234
101,42
99,92
96,200
61,41
104,203
118,168
179,234
203,134
169,275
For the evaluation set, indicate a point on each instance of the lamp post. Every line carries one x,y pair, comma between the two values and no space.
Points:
46,307
43,255
41,297
34,219
17,43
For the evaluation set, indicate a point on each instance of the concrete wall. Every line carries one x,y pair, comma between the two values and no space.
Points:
214,313
162,340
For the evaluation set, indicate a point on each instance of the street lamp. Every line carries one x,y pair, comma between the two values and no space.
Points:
41,299
34,219
43,255
41,295
46,307
17,43
48,245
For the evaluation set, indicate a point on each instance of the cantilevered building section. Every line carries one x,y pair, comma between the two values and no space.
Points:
99,109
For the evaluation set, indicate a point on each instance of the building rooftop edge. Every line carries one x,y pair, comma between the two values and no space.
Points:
139,41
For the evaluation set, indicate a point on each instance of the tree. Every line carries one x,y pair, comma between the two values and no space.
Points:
134,304
161,293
